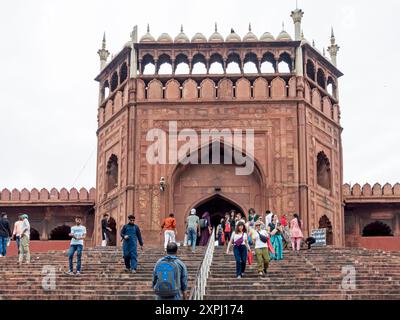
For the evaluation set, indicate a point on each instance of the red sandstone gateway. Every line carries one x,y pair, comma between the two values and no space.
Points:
285,92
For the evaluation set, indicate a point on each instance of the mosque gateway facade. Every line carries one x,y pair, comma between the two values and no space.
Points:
219,123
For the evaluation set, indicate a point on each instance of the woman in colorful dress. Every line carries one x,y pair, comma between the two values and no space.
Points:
275,231
296,233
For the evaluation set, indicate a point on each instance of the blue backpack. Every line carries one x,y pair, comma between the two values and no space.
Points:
167,284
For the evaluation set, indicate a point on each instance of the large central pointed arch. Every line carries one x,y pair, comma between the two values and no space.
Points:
191,185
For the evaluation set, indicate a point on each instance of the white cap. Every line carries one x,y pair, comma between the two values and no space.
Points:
193,211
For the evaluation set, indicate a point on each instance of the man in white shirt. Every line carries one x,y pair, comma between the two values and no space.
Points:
78,234
268,217
18,225
260,237
25,236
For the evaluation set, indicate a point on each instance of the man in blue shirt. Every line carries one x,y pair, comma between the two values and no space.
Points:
181,277
78,234
130,234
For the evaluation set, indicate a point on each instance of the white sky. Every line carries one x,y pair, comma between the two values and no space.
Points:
48,112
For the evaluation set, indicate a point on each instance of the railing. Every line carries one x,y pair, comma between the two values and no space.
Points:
199,289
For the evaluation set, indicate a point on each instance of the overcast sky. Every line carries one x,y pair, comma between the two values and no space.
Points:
48,108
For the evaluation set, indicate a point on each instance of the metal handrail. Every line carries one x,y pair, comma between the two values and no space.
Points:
199,289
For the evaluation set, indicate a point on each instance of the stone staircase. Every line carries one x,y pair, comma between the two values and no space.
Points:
315,274
103,276
311,275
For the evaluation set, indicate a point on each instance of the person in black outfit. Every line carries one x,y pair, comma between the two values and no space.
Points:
5,234
104,229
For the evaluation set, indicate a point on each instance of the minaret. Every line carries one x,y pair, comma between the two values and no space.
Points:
297,16
333,49
134,58
103,53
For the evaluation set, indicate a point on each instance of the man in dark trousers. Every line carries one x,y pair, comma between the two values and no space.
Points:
170,276
130,234
5,234
104,229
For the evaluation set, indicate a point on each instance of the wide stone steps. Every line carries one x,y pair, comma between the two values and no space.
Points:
103,276
310,275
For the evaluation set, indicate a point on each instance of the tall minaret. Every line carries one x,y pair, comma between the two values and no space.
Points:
134,58
333,49
297,15
103,53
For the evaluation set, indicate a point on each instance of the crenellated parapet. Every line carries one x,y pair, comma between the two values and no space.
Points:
44,195
377,192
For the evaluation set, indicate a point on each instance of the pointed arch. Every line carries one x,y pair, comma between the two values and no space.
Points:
112,173
323,171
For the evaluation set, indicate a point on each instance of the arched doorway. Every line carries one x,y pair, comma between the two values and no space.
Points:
217,206
377,229
60,233
196,184
34,236
325,223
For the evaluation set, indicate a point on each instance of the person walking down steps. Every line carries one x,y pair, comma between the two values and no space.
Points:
130,235
260,238
240,244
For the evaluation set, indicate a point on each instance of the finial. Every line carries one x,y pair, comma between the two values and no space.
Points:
323,51
297,4
104,45
302,35
249,27
216,27
313,43
333,39
148,28
181,27
283,25
232,31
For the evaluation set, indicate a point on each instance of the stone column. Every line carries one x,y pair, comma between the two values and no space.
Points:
134,58
297,16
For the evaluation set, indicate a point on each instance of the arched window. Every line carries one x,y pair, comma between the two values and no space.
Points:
60,233
331,88
268,63
310,70
233,63
323,171
123,73
321,79
199,64
285,63
114,81
216,64
164,64
182,64
148,65
105,91
250,63
112,173
377,229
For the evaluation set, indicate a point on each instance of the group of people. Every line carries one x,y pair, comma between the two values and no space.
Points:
20,233
170,273
196,228
268,239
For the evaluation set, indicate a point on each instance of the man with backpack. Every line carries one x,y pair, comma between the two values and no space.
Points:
130,234
170,276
